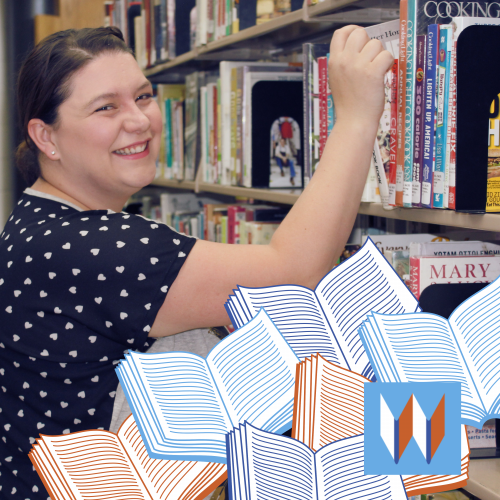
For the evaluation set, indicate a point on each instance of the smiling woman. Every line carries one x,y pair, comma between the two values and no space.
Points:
81,282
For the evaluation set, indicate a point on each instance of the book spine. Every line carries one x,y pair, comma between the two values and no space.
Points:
393,134
418,122
415,276
239,128
216,136
452,130
442,118
432,43
306,61
323,103
409,105
234,118
236,16
220,171
210,21
403,12
331,105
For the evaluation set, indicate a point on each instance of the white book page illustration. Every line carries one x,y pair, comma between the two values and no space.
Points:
476,323
279,467
296,313
176,391
255,371
421,347
347,455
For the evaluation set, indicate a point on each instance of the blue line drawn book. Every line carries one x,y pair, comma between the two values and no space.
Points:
326,320
425,347
184,404
264,465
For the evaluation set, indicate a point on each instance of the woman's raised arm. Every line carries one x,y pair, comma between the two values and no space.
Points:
310,239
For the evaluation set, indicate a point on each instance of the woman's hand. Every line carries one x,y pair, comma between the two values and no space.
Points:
356,73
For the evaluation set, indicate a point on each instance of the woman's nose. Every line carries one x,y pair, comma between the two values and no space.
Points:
136,121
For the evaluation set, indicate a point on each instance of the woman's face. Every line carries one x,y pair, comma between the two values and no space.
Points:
109,129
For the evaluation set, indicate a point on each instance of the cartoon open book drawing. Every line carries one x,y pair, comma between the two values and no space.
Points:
329,406
326,320
265,465
184,405
93,464
465,349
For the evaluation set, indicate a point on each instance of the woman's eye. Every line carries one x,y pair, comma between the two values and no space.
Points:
144,97
105,108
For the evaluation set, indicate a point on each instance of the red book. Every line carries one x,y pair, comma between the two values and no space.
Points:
323,103
235,213
394,133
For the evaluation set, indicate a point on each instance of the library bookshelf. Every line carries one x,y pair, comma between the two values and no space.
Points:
271,38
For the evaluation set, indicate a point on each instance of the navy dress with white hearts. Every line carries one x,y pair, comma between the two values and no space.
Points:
77,290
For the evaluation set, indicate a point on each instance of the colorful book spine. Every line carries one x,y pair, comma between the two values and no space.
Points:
429,113
403,14
331,106
409,105
418,121
451,158
323,103
394,133
442,115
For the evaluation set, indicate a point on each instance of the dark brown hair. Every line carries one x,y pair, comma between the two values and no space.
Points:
43,80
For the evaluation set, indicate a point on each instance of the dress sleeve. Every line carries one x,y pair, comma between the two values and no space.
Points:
114,271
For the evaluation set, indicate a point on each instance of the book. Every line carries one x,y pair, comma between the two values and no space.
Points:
418,128
393,133
390,242
454,248
388,34
264,465
119,462
192,137
329,406
186,409
432,51
311,54
325,320
463,348
429,270
443,83
401,123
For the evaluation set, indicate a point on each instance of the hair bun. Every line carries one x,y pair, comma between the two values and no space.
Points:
27,163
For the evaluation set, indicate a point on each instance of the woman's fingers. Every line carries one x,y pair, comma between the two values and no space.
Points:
340,38
357,41
383,62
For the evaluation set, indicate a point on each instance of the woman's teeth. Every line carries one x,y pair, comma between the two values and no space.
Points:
132,151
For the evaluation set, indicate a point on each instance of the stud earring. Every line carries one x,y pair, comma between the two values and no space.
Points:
53,152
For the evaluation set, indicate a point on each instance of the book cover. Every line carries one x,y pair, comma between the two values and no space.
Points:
119,463
430,270
323,102
391,242
393,133
186,410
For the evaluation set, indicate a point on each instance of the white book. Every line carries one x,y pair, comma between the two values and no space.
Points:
184,405
326,320
264,465
464,348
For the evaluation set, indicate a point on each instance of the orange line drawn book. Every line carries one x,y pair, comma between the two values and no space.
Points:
100,464
329,406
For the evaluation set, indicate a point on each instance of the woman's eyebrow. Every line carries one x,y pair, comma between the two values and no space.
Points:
111,95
